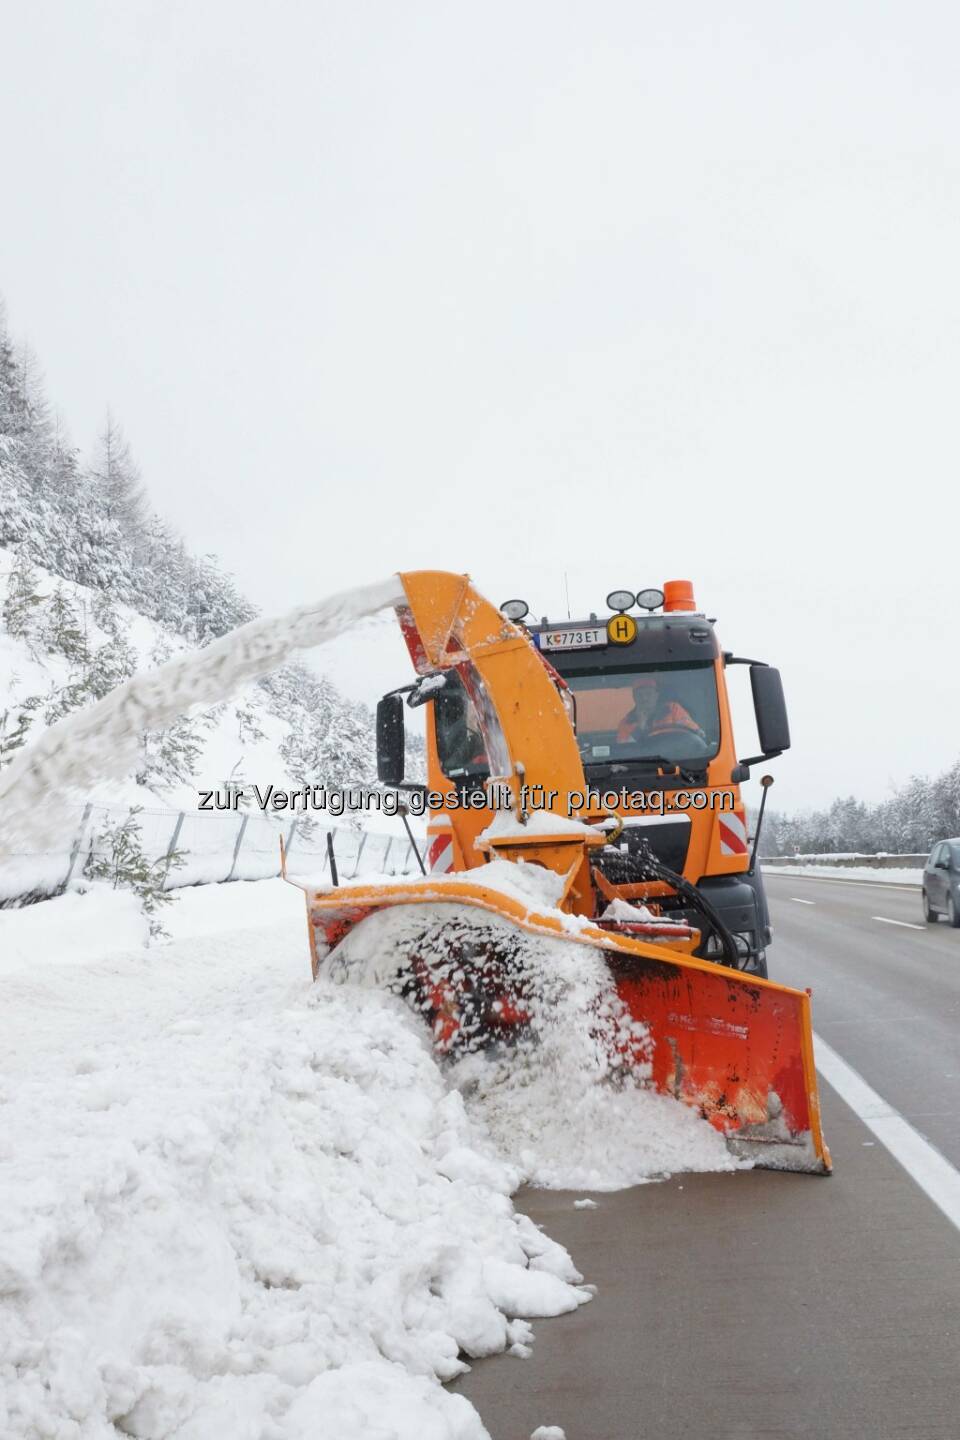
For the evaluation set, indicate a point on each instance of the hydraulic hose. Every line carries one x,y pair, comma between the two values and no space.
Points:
644,866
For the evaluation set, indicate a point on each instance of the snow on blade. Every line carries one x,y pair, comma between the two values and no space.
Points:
239,1204
556,1101
559,1108
100,742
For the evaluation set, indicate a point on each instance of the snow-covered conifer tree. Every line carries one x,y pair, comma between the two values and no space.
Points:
62,632
14,725
22,604
118,480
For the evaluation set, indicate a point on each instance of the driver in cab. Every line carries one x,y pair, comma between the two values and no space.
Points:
652,714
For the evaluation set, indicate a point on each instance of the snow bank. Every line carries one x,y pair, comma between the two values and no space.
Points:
898,876
71,929
234,1203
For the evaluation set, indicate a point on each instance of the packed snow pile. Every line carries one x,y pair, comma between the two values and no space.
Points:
236,1203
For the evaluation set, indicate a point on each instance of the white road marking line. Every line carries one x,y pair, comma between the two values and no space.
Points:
907,924
797,901
932,1171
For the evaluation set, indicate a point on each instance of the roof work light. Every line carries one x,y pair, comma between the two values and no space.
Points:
649,599
621,600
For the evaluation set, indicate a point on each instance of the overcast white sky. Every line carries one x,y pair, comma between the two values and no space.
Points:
622,290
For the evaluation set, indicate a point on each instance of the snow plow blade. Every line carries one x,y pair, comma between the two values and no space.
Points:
736,1048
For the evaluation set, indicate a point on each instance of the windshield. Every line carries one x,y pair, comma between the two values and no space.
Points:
646,712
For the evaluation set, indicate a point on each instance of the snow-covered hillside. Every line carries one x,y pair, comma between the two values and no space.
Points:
95,586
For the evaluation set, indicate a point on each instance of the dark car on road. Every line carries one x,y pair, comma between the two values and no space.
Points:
941,883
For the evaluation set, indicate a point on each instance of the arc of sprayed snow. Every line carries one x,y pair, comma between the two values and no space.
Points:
100,742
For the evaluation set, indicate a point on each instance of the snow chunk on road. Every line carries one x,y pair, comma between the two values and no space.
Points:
521,1291
239,1204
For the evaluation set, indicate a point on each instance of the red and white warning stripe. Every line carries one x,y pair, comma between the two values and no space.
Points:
440,853
733,833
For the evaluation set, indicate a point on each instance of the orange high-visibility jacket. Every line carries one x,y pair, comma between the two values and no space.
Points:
668,717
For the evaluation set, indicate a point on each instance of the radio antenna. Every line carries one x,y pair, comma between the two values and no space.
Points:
566,590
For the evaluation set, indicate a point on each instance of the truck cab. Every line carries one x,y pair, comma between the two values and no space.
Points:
652,719
645,693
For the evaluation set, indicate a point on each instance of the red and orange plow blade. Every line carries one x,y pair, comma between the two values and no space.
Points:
736,1048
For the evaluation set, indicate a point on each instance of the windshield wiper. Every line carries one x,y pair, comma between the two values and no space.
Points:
650,763
674,766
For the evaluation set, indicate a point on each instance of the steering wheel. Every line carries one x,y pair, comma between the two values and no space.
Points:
679,744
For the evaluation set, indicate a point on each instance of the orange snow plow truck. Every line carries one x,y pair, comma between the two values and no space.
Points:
596,759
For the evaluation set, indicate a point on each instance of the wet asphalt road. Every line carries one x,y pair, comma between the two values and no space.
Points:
766,1305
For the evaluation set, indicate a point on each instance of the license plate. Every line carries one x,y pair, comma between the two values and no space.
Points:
572,639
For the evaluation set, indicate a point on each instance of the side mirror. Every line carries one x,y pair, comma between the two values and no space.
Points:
426,688
390,739
770,708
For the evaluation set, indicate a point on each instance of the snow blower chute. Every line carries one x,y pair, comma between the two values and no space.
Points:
512,753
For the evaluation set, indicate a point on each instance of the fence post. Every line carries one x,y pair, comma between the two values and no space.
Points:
175,836
414,847
363,841
289,840
172,847
386,854
236,848
78,842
